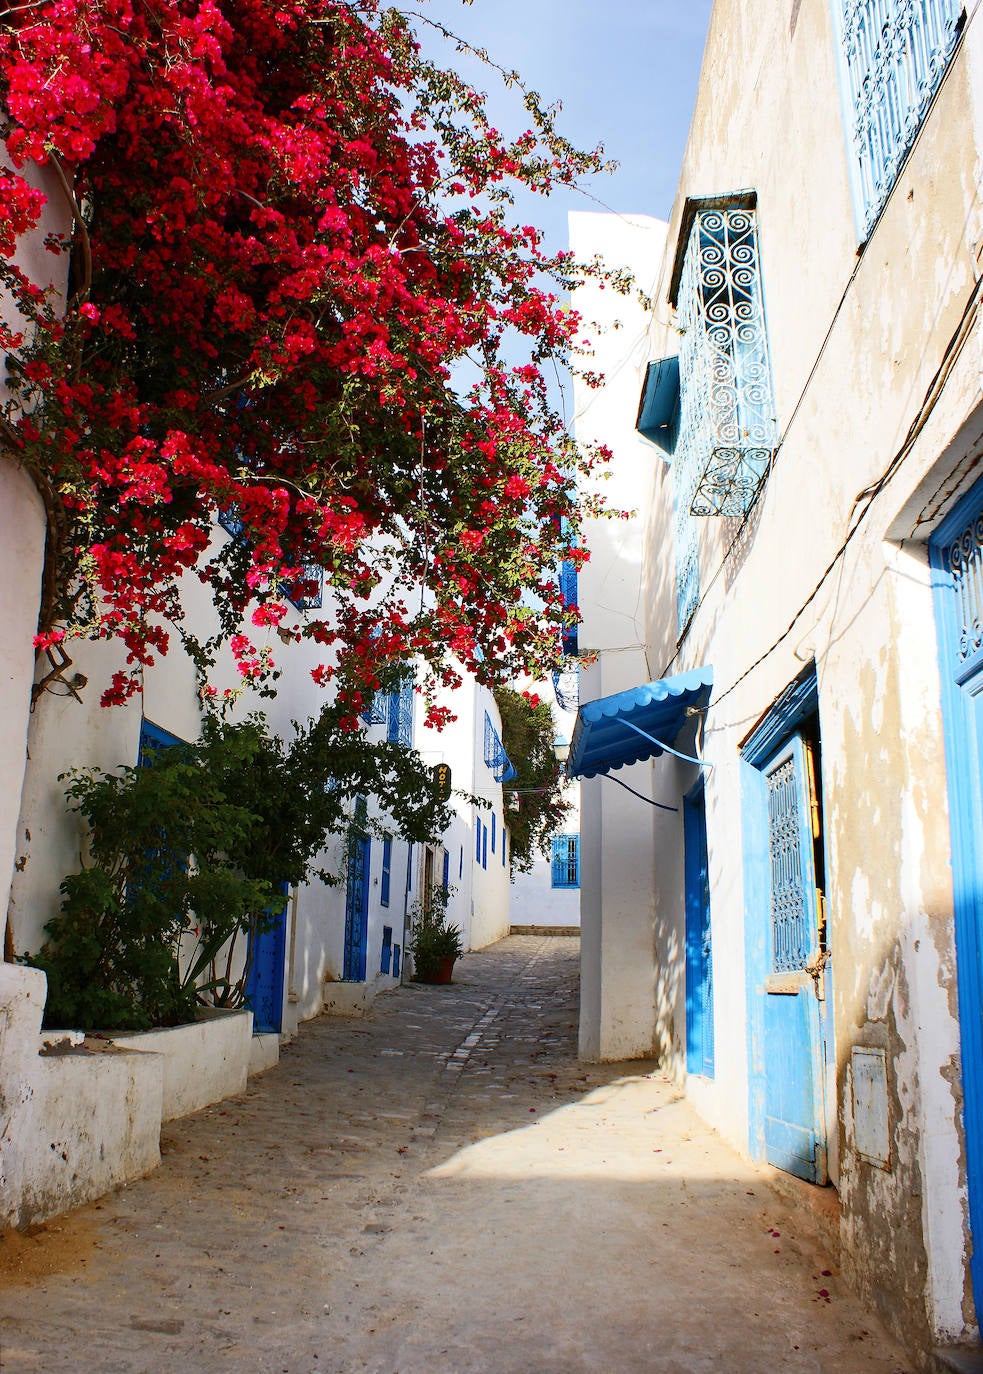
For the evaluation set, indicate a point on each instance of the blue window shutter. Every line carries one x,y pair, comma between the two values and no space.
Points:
569,593
493,831
447,870
460,863
477,840
409,868
387,859
505,836
387,949
484,846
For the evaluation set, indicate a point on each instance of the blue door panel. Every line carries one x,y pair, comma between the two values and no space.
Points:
357,898
264,986
792,1022
956,553
699,957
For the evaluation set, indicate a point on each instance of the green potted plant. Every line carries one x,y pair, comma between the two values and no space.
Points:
434,944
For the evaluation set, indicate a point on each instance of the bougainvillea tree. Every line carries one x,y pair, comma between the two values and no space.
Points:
291,239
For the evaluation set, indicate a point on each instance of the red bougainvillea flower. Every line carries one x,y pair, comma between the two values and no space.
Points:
285,227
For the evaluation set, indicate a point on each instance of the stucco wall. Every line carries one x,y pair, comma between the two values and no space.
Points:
831,566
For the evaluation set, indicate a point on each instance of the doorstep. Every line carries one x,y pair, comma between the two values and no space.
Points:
963,1359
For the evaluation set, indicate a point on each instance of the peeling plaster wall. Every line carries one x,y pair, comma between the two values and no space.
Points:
856,343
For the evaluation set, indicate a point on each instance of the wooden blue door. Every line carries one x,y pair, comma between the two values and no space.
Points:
699,951
957,561
794,985
264,984
357,898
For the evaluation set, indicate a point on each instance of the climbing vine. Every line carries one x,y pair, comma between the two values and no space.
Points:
535,808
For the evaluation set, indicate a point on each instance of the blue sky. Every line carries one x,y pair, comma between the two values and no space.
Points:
625,71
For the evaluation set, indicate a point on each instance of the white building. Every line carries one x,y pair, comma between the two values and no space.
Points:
797,608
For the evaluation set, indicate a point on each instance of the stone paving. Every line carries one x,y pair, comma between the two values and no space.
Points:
440,1188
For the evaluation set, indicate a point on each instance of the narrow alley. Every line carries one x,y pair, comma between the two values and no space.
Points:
439,1187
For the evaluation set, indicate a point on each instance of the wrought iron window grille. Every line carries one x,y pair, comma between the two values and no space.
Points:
399,714
494,754
566,687
727,429
892,57
727,433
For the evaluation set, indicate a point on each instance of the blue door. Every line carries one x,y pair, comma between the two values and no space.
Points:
957,561
699,954
264,984
794,984
357,897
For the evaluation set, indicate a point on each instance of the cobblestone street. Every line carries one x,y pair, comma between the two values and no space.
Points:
440,1187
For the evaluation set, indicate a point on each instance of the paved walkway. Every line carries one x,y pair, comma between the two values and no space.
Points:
439,1189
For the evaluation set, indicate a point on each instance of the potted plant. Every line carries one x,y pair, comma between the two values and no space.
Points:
434,944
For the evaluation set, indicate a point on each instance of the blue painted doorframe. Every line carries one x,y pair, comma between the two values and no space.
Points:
788,980
699,953
956,555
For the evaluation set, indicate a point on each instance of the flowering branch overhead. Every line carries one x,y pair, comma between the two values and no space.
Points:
288,227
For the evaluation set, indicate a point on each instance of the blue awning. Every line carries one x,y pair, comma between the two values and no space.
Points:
606,734
658,410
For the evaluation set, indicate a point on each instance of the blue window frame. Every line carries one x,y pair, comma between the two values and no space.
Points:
387,863
505,835
565,861
494,821
460,863
727,432
892,56
484,846
477,840
409,868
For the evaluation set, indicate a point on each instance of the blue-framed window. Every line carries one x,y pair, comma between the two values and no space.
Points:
152,738
494,753
892,55
311,598
565,861
399,714
727,432
446,879
460,863
409,868
505,837
484,846
307,594
493,825
477,840
387,864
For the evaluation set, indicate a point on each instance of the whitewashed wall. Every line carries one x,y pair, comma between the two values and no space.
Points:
617,1016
